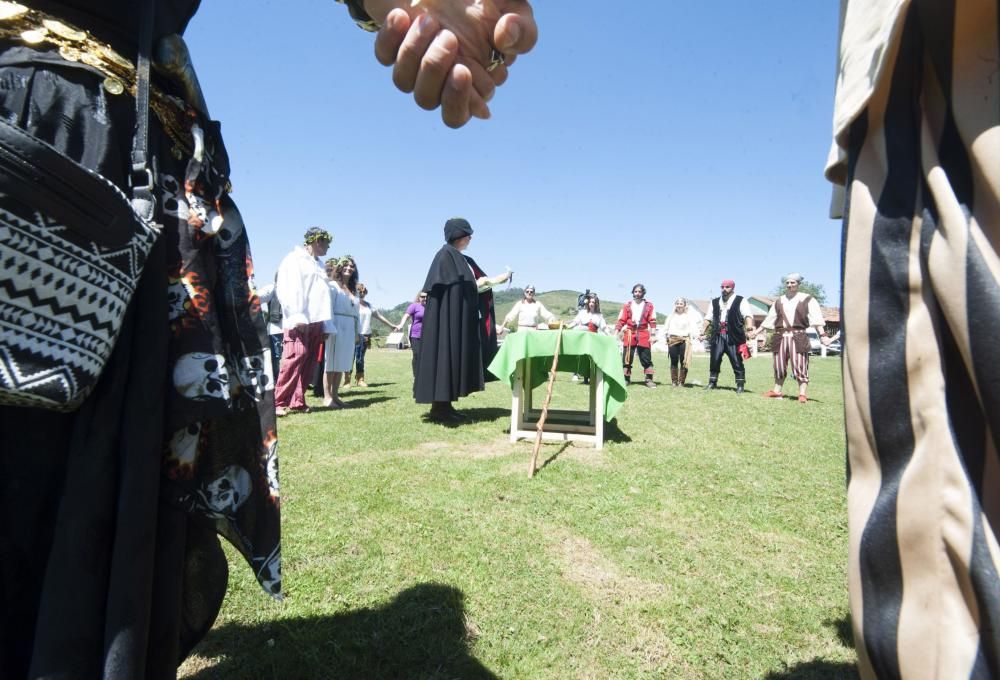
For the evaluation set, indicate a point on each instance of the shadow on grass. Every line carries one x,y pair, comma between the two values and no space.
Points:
359,402
817,670
552,458
421,633
485,415
844,630
612,433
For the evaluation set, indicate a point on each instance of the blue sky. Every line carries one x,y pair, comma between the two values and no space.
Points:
676,144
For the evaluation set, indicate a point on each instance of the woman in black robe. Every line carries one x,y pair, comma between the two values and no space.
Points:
459,335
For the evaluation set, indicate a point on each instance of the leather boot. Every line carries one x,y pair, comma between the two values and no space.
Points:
683,377
739,386
673,377
712,379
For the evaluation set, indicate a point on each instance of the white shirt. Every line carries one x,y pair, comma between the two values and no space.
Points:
684,325
869,30
365,317
266,295
583,318
724,306
790,305
528,313
302,289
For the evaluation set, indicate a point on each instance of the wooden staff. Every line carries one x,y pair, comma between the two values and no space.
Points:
545,404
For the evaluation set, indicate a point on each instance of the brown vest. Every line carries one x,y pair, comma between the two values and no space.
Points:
800,322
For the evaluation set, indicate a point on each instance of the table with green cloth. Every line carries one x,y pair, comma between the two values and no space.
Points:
524,361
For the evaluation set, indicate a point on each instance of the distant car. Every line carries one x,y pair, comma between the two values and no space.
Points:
816,347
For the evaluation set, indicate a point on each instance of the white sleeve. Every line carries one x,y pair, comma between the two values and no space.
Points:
293,302
815,313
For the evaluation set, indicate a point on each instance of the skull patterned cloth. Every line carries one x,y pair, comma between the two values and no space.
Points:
111,564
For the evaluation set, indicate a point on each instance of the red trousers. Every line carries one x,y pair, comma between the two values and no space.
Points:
298,361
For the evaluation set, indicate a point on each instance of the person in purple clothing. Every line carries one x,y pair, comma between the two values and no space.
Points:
414,312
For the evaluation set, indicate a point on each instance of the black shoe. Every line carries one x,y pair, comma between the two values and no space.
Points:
711,386
739,388
650,384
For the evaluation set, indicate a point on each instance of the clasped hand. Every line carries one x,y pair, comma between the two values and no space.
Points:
441,50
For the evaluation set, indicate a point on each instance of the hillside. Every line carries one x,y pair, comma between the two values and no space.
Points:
562,303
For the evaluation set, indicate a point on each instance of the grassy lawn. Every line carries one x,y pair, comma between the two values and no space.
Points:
707,540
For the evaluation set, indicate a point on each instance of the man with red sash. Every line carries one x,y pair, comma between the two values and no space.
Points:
730,320
637,318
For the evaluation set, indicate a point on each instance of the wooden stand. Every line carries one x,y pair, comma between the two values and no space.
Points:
561,425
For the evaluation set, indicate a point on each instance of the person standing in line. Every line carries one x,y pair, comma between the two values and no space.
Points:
789,317
269,296
528,312
305,311
731,319
681,330
591,320
415,314
365,314
638,320
342,329
459,331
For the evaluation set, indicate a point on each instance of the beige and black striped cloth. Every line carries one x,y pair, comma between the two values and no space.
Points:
917,130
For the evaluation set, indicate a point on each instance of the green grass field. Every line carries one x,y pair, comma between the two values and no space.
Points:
708,539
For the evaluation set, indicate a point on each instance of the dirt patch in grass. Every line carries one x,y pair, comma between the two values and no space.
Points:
437,449
497,448
598,577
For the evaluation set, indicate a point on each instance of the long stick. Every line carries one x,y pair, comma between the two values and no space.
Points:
545,405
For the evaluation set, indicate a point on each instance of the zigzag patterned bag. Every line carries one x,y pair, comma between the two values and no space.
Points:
71,253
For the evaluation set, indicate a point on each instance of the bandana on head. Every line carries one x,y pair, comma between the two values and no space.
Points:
729,282
314,234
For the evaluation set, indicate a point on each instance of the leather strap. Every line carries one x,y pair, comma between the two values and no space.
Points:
142,178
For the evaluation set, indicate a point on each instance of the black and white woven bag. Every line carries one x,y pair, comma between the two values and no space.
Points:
72,249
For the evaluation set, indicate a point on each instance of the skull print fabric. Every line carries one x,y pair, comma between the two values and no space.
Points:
221,455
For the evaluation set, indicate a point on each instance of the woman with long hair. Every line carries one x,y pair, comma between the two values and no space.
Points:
343,331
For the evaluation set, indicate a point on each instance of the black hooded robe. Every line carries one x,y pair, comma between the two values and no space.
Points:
459,337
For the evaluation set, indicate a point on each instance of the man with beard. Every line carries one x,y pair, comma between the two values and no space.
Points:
459,336
638,319
731,319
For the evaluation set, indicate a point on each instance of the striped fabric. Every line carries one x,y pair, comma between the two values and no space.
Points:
799,360
921,364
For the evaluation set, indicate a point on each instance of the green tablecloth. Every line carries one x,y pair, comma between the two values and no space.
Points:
578,348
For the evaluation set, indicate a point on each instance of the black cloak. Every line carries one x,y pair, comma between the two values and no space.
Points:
459,337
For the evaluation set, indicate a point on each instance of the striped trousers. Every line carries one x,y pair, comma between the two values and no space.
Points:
921,366
788,353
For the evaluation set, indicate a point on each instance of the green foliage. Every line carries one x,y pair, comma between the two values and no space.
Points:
708,539
807,287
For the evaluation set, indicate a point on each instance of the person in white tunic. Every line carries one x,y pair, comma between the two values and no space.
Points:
343,327
789,317
681,329
365,315
305,308
529,312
